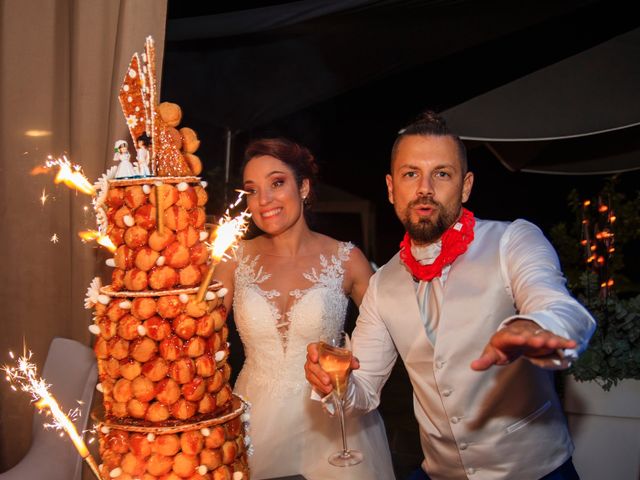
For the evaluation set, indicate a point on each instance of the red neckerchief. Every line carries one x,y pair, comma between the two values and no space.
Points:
454,243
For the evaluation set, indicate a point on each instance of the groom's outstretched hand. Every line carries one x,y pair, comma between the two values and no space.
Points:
520,338
318,378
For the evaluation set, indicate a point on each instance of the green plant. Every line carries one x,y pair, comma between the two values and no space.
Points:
613,353
598,277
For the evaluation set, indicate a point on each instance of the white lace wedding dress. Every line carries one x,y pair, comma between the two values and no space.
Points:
290,433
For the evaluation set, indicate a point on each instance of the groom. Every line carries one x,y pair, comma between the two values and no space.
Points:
479,313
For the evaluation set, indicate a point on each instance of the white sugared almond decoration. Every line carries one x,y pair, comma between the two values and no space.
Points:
146,189
184,298
99,388
203,236
104,299
205,432
95,329
209,296
141,330
202,469
238,475
151,437
115,473
110,262
182,186
129,221
160,261
125,305
222,292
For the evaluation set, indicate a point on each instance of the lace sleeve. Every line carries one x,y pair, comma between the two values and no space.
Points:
344,250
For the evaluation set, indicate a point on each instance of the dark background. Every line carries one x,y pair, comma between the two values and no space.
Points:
351,133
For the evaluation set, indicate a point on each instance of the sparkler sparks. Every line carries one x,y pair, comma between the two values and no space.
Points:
54,238
104,240
44,197
225,236
69,174
24,376
227,233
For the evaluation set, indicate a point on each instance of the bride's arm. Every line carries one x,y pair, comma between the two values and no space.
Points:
224,273
358,273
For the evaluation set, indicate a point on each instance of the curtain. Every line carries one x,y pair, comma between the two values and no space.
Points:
61,65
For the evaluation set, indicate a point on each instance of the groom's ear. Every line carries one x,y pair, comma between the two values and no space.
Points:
467,185
389,180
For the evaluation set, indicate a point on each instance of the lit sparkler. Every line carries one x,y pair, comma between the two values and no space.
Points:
24,376
101,239
223,237
69,174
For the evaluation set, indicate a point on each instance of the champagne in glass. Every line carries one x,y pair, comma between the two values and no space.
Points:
336,362
335,359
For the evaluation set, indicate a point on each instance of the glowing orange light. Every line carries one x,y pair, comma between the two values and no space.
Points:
583,242
612,218
591,258
610,282
69,174
612,249
592,247
104,240
600,260
586,203
603,208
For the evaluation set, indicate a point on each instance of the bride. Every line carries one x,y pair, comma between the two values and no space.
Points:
288,287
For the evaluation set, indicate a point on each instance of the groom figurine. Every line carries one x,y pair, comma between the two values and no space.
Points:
479,313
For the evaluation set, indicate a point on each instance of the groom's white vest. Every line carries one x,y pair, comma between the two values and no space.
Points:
505,423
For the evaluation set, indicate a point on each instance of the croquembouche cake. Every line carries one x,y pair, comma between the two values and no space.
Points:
160,326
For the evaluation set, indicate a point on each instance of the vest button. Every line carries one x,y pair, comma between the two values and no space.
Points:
471,471
446,392
440,364
455,419
463,446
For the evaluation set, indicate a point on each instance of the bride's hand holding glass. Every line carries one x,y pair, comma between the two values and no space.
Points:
335,358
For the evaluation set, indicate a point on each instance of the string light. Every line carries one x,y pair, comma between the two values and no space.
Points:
598,240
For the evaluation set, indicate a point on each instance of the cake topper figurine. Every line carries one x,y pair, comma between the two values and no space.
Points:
139,102
143,156
122,155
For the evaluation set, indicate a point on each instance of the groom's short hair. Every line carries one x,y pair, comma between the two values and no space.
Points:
430,124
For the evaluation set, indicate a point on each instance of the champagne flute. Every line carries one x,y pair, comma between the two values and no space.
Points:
335,359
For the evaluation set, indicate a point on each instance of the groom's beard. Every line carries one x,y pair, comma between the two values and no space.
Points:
425,230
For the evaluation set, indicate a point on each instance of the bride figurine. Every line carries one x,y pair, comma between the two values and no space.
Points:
125,168
289,286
